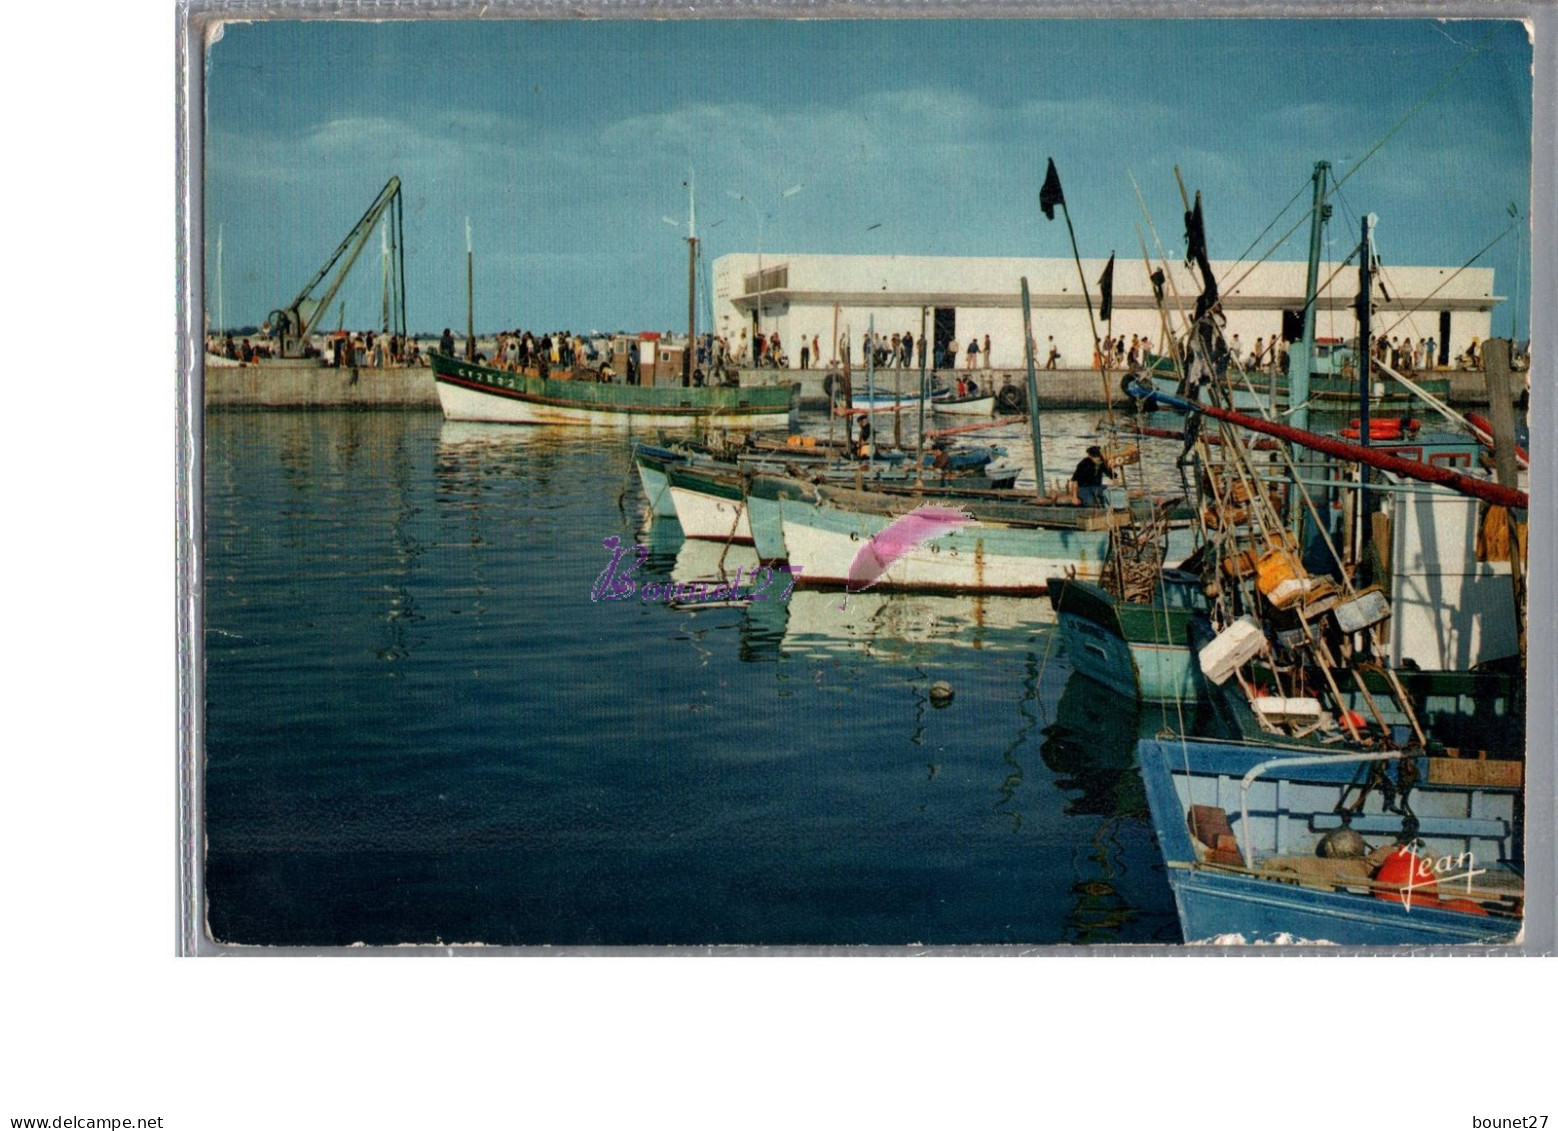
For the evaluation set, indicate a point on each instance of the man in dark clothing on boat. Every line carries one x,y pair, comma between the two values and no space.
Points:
1087,481
446,342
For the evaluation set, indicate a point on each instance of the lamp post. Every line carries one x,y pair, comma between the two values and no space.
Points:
761,288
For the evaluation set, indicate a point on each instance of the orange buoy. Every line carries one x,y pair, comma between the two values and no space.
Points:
1408,877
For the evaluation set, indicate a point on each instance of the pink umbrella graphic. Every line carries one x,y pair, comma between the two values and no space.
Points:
899,537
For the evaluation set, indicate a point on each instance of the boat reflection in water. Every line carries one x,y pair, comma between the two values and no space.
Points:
892,623
1091,748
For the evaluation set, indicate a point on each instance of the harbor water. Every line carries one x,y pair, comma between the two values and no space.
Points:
421,728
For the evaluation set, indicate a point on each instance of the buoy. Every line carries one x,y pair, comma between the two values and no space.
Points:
1408,877
1341,844
1358,721
1385,428
940,693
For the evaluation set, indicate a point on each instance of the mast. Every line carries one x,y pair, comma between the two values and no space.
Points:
384,271
470,298
1365,361
871,389
221,312
1033,392
692,282
1300,358
1496,357
919,440
400,261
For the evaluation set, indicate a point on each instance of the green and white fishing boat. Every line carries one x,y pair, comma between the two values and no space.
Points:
468,391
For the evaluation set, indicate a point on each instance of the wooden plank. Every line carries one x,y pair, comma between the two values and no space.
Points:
1496,773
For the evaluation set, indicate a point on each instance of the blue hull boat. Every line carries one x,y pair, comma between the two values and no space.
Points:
1263,845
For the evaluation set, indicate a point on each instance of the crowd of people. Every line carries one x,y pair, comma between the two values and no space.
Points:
1403,354
522,350
519,351
360,349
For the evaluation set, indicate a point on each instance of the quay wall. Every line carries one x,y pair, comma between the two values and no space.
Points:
278,385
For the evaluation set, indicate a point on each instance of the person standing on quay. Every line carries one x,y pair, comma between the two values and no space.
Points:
987,351
1054,354
805,354
973,353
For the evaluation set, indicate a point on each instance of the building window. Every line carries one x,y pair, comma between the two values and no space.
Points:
773,279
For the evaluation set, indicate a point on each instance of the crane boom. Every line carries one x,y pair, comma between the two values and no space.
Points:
293,323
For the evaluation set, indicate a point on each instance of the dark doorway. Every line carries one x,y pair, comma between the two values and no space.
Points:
946,333
1444,337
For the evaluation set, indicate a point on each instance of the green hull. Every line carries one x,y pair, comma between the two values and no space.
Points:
1140,651
468,391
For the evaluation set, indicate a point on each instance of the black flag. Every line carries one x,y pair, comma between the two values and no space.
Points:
1050,195
1106,289
1195,234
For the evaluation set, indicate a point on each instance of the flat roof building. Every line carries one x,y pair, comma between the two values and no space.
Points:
829,297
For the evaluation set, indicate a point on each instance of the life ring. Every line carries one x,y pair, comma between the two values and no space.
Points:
1011,398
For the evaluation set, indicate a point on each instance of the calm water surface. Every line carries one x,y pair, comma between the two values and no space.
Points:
421,729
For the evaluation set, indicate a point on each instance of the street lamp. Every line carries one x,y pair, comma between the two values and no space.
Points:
791,191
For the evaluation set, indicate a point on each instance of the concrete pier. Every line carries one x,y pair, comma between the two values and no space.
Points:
308,385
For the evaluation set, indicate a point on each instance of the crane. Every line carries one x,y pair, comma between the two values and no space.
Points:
293,323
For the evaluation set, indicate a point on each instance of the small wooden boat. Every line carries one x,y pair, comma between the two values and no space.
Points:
1272,844
976,404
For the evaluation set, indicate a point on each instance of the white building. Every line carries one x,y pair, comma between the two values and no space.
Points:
829,296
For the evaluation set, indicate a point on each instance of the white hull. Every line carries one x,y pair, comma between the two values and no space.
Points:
460,403
704,516
975,559
983,407
657,489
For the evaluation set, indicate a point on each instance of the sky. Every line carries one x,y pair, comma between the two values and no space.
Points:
569,143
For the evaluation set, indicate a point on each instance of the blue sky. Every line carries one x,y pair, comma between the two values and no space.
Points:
566,142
